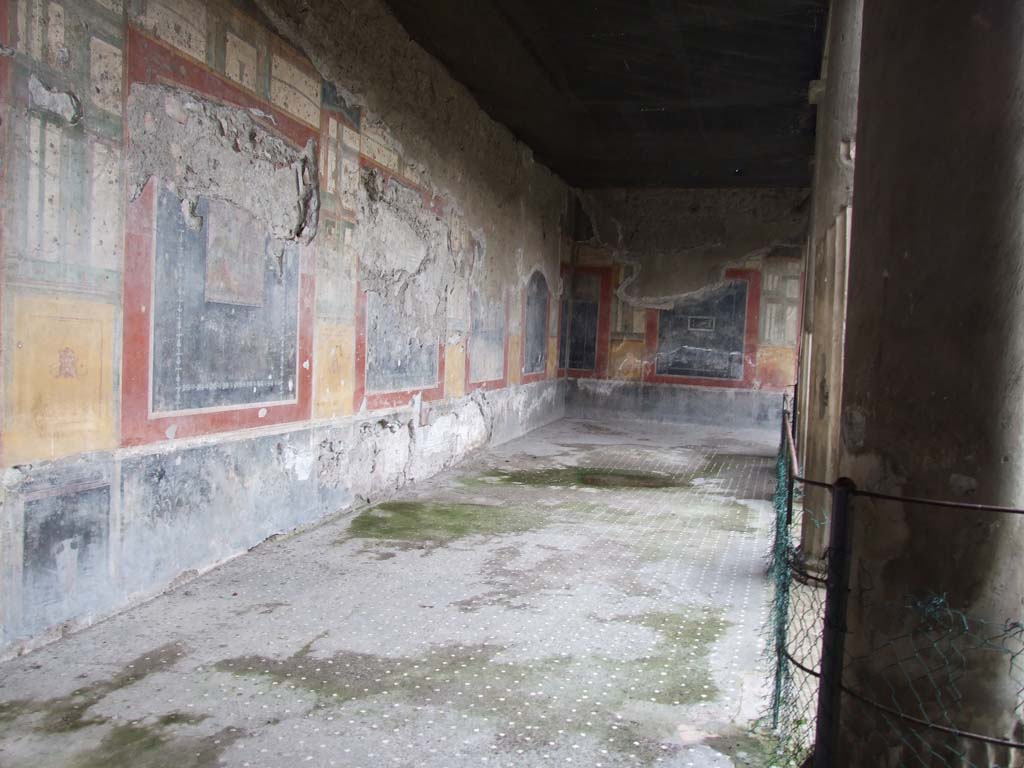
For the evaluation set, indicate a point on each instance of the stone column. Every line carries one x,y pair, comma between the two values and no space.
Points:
826,267
933,390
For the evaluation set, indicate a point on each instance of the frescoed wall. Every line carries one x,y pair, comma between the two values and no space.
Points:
704,336
487,352
235,297
225,310
702,309
535,326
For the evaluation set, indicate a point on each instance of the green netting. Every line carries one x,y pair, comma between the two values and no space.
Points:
912,699
911,694
794,629
779,573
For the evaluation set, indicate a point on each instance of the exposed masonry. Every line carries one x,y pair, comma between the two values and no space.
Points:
204,149
64,104
407,254
373,459
513,207
705,231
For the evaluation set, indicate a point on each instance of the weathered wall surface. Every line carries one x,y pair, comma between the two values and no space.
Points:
699,297
937,227
261,262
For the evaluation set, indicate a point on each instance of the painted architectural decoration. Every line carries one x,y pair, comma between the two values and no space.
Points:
65,553
56,550
183,215
340,159
535,346
704,337
218,290
334,357
580,318
61,377
225,310
780,303
487,338
63,225
397,357
585,321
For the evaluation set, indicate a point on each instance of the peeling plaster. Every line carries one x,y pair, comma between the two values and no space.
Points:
61,103
204,149
405,252
680,241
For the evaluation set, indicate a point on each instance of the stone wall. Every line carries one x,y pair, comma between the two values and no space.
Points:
262,263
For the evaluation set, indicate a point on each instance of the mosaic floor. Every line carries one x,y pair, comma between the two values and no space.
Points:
590,595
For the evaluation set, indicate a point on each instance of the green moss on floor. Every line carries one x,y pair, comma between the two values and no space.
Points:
180,718
677,672
592,477
152,746
65,714
141,744
125,745
746,748
439,522
350,676
596,428
14,709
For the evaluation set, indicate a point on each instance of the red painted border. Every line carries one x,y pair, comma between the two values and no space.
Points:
149,61
326,114
472,386
604,328
434,203
379,400
753,278
137,426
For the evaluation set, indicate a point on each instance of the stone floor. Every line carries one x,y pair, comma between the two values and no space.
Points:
590,595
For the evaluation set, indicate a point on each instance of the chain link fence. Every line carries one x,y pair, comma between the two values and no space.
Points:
796,617
910,692
906,697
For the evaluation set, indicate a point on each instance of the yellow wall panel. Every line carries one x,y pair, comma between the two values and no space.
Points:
515,359
61,398
552,357
335,370
455,370
627,360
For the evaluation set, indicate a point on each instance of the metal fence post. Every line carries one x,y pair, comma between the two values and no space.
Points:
789,491
796,412
780,549
826,740
789,416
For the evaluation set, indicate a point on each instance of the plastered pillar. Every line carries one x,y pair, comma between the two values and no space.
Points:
933,388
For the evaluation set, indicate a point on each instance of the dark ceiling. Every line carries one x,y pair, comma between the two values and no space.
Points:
695,93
